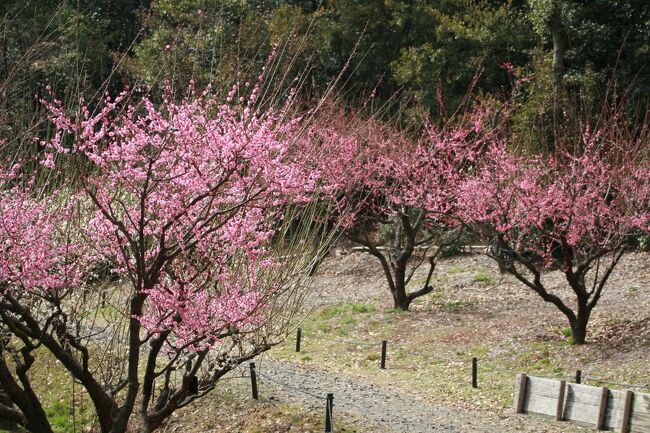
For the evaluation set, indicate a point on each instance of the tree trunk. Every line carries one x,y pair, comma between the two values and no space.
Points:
395,262
579,326
6,424
25,399
401,301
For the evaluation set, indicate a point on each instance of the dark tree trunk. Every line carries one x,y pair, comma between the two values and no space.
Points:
123,414
578,332
6,424
401,301
395,261
579,325
21,394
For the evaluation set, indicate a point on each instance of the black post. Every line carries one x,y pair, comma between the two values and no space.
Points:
383,353
578,376
254,381
329,403
474,372
298,335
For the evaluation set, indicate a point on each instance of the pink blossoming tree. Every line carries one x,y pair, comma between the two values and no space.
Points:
399,191
575,211
41,263
188,202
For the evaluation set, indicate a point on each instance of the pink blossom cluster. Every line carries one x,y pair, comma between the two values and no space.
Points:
592,200
377,169
186,196
37,255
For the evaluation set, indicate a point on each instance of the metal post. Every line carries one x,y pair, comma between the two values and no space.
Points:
383,354
329,403
474,372
298,335
253,380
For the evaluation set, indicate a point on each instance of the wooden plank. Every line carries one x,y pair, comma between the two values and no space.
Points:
559,411
641,403
582,403
639,423
627,406
584,394
640,418
541,396
543,387
602,406
613,410
521,392
540,405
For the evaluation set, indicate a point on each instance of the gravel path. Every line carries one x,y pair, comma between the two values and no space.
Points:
377,406
383,410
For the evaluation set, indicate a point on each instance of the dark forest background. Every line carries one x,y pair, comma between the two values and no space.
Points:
549,58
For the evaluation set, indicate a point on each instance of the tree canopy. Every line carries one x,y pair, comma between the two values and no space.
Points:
430,50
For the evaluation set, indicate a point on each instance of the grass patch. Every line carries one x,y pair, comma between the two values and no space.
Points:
458,269
457,305
482,277
479,351
346,309
323,327
60,416
341,319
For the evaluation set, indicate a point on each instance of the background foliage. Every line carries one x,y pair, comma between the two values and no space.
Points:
428,50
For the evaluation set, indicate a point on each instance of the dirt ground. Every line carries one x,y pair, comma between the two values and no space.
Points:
619,326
